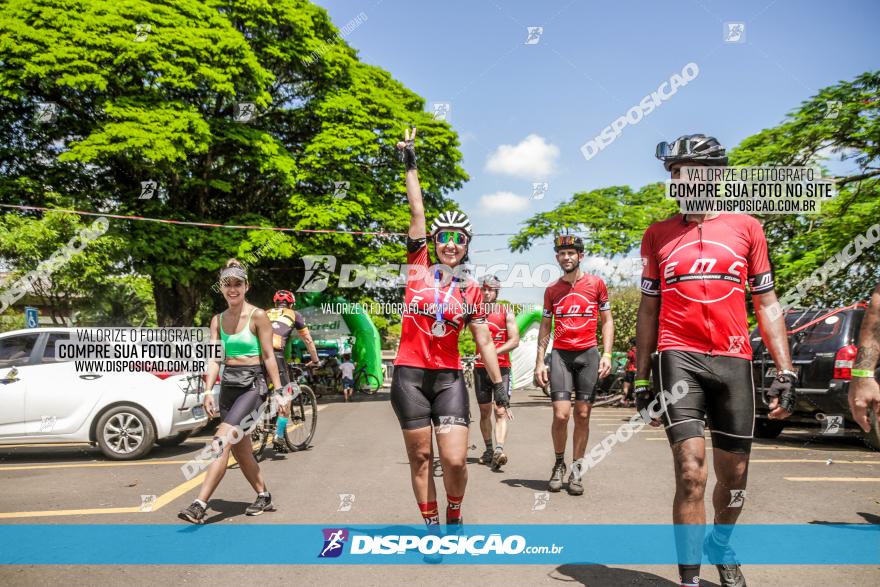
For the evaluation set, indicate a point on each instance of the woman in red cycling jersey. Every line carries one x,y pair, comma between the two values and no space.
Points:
427,388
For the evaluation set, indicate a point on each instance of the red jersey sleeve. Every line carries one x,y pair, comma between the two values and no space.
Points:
477,312
650,267
548,303
602,296
760,271
417,251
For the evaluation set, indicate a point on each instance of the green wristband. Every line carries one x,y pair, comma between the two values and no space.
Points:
640,382
866,373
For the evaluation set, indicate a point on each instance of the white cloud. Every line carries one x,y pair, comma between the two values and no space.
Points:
504,202
533,157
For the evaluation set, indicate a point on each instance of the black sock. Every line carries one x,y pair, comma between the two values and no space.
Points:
690,574
560,458
488,444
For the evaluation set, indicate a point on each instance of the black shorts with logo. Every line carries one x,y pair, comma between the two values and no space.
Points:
483,385
422,396
575,371
720,394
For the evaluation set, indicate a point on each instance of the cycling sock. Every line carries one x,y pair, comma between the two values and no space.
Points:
488,443
430,513
280,427
690,575
560,458
263,494
499,447
453,510
204,504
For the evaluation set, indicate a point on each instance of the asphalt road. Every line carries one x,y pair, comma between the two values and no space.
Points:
358,451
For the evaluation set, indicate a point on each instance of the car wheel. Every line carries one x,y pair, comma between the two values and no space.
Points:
125,433
765,428
173,441
872,438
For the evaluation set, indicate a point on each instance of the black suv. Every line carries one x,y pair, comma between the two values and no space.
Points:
823,348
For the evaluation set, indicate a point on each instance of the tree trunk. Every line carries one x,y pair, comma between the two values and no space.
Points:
176,305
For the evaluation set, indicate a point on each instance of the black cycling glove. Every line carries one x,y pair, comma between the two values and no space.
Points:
408,154
644,394
499,394
783,388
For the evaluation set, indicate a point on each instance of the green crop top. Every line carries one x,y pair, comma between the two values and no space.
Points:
241,344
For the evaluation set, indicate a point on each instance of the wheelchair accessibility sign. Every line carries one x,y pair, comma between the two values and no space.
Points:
31,317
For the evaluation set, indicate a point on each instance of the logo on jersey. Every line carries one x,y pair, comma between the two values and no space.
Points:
736,344
334,540
573,306
706,272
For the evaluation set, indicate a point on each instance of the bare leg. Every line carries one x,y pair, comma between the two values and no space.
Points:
452,446
244,454
486,422
688,510
218,466
581,428
731,471
420,451
559,429
500,424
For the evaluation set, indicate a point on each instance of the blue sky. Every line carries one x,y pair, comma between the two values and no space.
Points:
592,63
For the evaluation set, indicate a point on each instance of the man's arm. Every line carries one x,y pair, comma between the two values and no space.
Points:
306,337
775,335
647,324
607,342
864,391
543,341
512,336
480,332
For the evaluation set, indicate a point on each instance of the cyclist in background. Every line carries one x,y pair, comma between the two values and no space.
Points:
284,321
576,301
505,336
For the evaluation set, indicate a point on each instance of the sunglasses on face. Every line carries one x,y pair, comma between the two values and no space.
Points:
452,236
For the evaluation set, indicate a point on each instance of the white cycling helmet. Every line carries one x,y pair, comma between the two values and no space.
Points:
452,219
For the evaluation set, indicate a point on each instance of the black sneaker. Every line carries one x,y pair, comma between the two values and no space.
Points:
486,457
193,513
279,446
557,477
262,504
729,569
499,459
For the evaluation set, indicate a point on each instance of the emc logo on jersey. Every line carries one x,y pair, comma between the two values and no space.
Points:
334,540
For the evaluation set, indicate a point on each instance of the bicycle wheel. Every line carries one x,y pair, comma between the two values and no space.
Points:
367,383
260,436
303,419
607,399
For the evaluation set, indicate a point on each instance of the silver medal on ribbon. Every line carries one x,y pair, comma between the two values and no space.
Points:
438,329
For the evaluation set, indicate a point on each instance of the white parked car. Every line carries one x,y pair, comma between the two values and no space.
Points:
44,400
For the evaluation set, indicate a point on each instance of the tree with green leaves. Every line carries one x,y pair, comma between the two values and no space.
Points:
224,110
839,121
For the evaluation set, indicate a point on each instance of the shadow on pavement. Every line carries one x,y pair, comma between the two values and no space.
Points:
225,509
537,484
600,575
870,520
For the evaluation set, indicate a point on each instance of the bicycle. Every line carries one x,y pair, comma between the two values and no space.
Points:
366,382
303,419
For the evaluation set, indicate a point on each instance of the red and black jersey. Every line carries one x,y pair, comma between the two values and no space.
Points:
420,345
575,309
630,360
497,321
700,272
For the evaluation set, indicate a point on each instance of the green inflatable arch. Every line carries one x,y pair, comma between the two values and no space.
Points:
367,349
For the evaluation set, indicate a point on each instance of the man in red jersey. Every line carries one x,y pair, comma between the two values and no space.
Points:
505,335
693,310
574,302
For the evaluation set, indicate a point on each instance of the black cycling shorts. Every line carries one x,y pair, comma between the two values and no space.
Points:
720,393
237,402
483,385
629,376
574,371
283,373
422,396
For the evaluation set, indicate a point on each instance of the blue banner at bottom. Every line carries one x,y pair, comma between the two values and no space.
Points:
635,544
